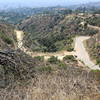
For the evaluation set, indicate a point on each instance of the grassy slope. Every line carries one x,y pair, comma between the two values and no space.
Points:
93,43
7,38
94,21
94,47
45,80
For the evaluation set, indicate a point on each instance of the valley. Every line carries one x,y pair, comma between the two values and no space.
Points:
80,51
50,53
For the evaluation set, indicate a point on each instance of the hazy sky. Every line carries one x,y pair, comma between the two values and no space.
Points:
38,3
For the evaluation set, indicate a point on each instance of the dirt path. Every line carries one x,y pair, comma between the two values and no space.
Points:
19,36
60,54
94,27
80,51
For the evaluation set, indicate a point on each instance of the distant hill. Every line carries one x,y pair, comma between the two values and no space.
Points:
93,4
89,6
16,15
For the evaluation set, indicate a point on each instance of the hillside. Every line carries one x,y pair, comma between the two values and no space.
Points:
30,77
95,20
7,37
16,15
24,77
94,42
12,17
94,47
50,33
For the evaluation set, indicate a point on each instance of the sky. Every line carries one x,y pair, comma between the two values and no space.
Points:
43,3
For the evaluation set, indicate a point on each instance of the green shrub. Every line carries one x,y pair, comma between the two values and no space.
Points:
39,58
98,45
69,40
96,73
91,31
70,49
98,61
6,39
95,70
53,60
69,57
45,69
62,65
94,21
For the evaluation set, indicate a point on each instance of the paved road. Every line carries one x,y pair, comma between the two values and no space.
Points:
82,54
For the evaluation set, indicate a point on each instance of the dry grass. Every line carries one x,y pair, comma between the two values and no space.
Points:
69,84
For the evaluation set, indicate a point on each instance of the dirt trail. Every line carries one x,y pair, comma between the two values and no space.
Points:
80,51
94,27
60,54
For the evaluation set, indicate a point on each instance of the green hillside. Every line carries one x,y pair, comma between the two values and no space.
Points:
51,33
7,37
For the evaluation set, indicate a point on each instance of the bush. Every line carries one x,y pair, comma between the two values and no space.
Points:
6,39
91,32
98,45
98,61
39,58
62,65
53,60
94,21
45,69
70,57
70,49
96,71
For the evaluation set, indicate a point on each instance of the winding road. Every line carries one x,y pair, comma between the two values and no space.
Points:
79,51
82,54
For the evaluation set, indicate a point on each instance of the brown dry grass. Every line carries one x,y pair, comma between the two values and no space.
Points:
69,84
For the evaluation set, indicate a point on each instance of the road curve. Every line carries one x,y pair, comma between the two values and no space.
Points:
82,54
